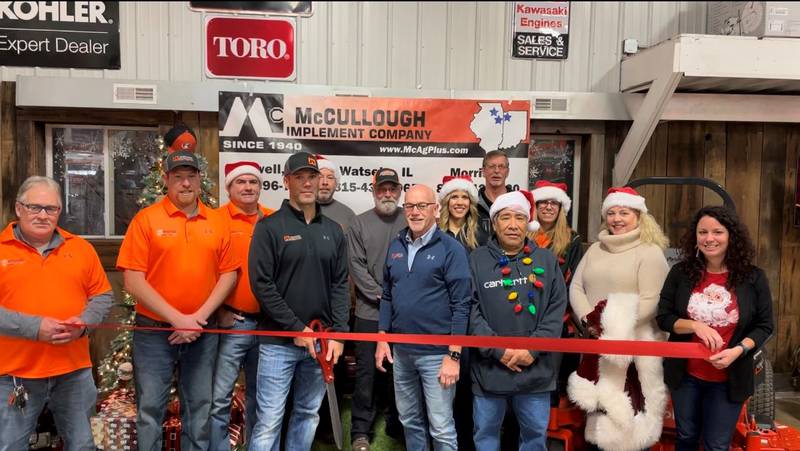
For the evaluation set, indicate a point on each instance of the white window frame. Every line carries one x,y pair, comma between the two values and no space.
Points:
108,167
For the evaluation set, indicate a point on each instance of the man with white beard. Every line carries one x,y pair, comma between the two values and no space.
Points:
368,239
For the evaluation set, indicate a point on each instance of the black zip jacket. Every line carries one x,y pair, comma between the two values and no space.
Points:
298,272
755,322
493,315
484,221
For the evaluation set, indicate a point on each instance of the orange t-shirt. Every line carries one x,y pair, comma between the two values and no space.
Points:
241,226
59,286
182,257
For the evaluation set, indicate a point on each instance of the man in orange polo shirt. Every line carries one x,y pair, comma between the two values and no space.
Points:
241,310
49,278
178,265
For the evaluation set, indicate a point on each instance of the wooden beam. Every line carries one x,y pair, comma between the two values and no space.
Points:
644,123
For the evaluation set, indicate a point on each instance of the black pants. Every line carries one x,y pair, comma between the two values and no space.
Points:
371,388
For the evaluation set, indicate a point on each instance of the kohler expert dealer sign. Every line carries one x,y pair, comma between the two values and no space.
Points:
60,34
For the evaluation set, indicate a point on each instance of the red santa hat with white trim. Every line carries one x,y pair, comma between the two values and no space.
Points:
324,163
233,170
520,201
464,183
546,190
623,197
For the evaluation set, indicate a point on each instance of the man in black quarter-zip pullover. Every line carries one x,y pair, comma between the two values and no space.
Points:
298,273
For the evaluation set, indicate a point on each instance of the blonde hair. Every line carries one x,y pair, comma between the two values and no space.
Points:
560,236
469,230
649,230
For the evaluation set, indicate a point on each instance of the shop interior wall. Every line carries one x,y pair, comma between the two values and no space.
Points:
757,164
404,45
22,154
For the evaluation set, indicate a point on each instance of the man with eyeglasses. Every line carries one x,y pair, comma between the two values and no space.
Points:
426,290
368,238
50,282
495,173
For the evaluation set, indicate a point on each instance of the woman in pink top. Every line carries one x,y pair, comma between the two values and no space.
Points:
715,296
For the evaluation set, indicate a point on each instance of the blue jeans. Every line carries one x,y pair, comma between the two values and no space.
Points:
417,376
702,409
234,350
71,397
154,362
281,366
532,412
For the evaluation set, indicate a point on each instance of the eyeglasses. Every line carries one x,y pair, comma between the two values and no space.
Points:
495,167
35,209
548,203
419,206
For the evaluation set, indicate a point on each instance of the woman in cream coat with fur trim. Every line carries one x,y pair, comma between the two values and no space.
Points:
615,294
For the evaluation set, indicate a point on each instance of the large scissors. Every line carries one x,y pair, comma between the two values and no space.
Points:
327,376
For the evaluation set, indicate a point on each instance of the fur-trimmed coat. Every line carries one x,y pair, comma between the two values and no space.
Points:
628,275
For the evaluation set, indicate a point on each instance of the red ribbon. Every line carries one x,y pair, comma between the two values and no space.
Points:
572,345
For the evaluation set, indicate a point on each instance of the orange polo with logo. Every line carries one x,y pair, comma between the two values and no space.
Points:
58,286
182,257
242,226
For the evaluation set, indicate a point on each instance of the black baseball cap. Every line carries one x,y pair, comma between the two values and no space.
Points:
182,158
385,175
298,161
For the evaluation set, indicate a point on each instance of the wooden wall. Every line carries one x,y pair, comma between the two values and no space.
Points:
757,164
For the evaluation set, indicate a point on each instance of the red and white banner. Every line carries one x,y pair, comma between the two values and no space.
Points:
422,139
239,47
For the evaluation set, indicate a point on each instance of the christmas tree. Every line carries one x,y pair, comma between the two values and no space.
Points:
116,364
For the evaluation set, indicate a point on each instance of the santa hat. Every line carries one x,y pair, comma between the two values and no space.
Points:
180,137
233,170
623,197
325,163
520,201
545,190
464,183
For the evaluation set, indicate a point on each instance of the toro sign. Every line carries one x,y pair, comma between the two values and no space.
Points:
239,47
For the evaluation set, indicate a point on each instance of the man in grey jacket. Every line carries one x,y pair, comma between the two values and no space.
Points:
367,241
519,291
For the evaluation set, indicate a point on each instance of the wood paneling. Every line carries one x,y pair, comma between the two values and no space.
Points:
715,159
745,141
8,132
684,158
787,306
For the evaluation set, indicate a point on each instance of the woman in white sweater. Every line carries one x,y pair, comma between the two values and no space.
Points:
614,294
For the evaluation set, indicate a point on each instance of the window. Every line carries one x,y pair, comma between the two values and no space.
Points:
557,158
101,171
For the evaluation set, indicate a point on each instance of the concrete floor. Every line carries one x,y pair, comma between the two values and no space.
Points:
787,408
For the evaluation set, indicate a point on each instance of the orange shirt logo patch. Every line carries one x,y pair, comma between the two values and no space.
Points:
166,233
11,262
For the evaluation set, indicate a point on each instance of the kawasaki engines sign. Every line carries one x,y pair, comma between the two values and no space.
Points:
60,34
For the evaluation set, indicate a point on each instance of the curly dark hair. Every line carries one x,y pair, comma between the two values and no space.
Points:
738,257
